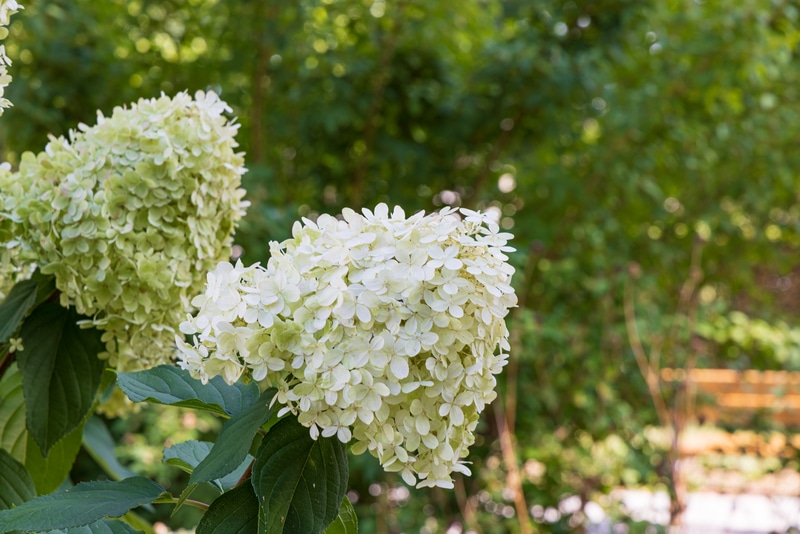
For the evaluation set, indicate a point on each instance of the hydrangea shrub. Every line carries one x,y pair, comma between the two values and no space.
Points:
130,214
377,328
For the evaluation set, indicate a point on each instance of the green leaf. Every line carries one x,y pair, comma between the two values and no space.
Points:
13,435
81,505
138,523
47,473
234,441
16,305
99,443
188,455
22,298
300,482
45,286
234,512
50,472
60,372
16,485
170,385
347,520
104,526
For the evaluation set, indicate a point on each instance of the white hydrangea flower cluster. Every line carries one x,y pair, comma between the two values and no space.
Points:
7,8
130,214
378,328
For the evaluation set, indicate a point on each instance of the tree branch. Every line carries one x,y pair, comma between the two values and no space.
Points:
513,478
650,376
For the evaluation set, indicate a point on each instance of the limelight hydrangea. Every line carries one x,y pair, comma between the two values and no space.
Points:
130,214
7,8
380,329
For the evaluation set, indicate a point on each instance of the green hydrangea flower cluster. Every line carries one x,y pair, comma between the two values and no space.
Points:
130,215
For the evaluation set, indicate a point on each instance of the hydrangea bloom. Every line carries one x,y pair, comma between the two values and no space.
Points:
7,8
381,329
130,214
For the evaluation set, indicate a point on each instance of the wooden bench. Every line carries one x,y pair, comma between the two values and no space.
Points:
737,398
725,395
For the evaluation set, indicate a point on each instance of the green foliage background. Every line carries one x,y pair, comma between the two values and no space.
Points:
615,139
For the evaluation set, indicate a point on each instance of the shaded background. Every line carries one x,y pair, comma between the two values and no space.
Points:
643,154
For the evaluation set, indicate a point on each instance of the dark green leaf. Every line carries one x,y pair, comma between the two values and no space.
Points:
19,301
234,512
81,505
22,298
99,443
170,385
45,286
104,526
300,482
60,372
16,485
50,472
13,435
234,441
188,455
347,520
